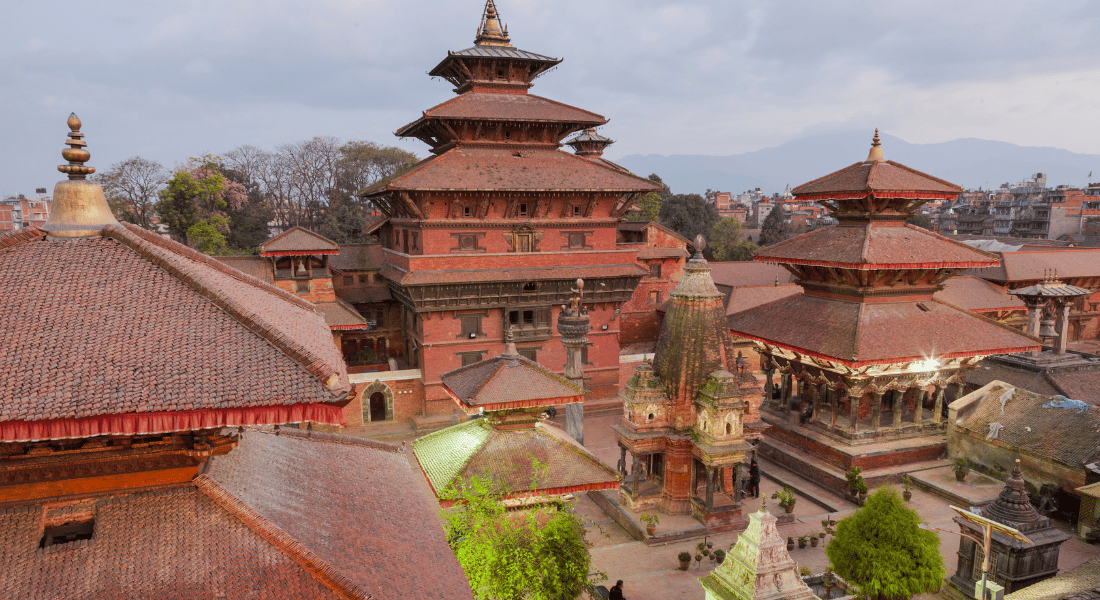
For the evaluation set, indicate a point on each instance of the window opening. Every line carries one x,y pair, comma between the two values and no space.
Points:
465,211
530,287
528,353
65,533
655,297
348,280
471,325
655,270
523,209
364,278
576,210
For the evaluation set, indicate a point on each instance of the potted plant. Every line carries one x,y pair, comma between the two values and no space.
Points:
790,544
719,555
962,467
685,560
907,487
650,523
804,571
702,548
854,478
814,539
801,542
786,499
698,560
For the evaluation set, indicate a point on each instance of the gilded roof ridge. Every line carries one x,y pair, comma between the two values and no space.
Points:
161,252
280,539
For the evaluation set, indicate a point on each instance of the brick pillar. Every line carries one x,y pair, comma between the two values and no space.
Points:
676,495
876,411
937,415
899,407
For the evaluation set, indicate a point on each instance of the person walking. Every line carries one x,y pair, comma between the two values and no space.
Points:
754,479
616,592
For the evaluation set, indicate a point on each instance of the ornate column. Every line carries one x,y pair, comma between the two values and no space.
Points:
876,411
710,487
1061,325
899,407
737,485
573,325
785,391
816,389
918,408
833,404
937,415
622,461
634,468
769,387
854,410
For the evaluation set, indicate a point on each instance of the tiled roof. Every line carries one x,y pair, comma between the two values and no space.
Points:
875,246
506,107
476,448
1083,385
256,266
1033,266
358,257
1079,583
278,517
977,295
858,334
746,297
501,52
133,323
877,177
341,314
748,273
298,239
1064,435
509,381
493,169
570,273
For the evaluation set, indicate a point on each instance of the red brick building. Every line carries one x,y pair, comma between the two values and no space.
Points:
492,230
140,450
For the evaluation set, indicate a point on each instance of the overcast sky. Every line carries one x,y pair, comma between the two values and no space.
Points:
170,80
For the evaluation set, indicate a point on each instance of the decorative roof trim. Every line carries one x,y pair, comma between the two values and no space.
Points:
272,534
299,252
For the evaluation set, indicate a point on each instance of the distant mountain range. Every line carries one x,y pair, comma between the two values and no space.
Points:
967,162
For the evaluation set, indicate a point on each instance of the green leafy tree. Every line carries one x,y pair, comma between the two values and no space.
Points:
923,221
535,554
646,209
725,241
345,221
774,228
881,550
206,237
665,193
688,215
195,193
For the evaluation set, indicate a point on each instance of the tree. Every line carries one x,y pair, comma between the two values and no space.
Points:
922,221
345,221
206,237
538,553
725,241
774,228
646,209
881,550
688,215
665,193
132,187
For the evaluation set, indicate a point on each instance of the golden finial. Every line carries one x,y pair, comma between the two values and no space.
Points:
876,150
76,154
490,32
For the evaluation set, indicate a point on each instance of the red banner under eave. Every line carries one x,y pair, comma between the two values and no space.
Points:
168,421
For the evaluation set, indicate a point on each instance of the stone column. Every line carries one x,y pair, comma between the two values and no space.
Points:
573,325
1061,325
918,408
710,487
816,390
769,387
634,468
854,410
737,485
876,411
622,461
938,410
785,391
899,407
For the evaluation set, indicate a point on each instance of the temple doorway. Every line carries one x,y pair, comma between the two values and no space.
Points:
377,407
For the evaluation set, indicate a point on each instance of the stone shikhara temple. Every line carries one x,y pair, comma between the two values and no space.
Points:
866,354
688,417
1013,564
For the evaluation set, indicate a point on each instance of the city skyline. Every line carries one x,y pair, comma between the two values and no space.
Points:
674,78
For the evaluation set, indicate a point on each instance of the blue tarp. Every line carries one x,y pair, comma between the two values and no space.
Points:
1067,404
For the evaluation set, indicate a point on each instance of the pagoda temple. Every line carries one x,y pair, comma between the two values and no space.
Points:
866,353
686,418
509,446
490,232
145,450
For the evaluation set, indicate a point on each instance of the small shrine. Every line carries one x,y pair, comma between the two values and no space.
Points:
506,443
758,567
688,417
1014,564
865,354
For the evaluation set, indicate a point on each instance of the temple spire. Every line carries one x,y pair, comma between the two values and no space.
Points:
491,32
875,155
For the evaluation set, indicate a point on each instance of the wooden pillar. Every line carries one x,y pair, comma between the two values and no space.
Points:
710,487
918,408
634,473
899,407
622,461
784,391
833,405
937,412
769,387
737,485
815,391
854,410
876,411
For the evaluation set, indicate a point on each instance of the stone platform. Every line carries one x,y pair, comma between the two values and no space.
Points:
820,458
975,490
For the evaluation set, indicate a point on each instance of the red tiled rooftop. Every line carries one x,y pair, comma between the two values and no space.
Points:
1034,266
287,516
858,334
748,273
133,323
509,382
863,246
506,107
881,178
977,295
501,169
298,241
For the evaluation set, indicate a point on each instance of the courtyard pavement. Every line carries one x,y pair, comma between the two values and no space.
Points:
652,573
